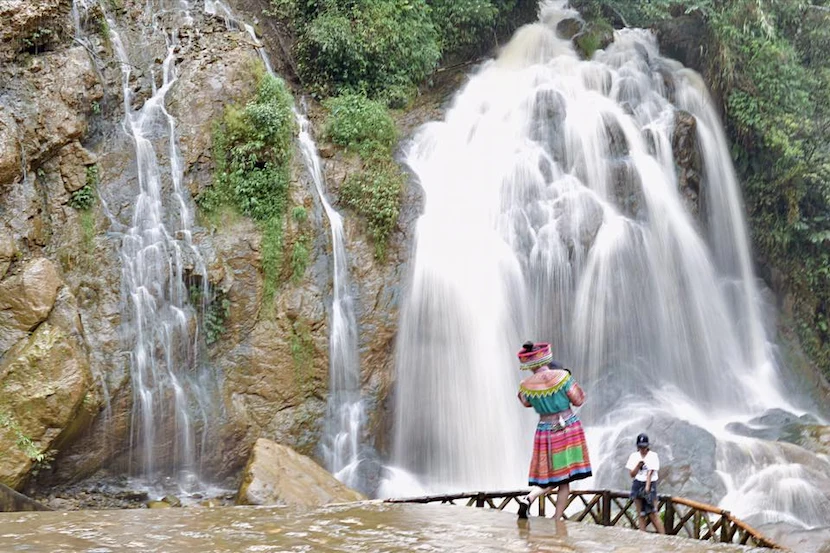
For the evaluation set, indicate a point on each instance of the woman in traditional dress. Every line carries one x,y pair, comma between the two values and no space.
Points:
560,453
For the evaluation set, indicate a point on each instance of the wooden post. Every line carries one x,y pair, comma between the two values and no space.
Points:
696,521
480,499
670,516
542,500
725,523
605,515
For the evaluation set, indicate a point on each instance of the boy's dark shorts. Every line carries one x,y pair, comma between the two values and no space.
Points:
638,491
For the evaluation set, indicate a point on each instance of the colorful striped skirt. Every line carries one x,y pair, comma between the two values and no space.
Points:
560,455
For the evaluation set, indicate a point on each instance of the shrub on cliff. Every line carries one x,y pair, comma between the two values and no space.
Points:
386,48
364,127
360,124
253,146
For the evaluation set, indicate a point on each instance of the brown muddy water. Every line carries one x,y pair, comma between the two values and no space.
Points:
368,526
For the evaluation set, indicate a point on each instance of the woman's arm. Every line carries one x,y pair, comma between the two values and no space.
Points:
523,399
575,394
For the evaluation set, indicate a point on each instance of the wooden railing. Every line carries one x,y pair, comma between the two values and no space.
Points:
680,516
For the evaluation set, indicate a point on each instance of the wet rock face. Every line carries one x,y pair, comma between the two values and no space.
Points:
547,122
60,273
43,382
31,26
8,251
569,28
47,122
628,189
26,299
215,72
10,161
687,157
75,161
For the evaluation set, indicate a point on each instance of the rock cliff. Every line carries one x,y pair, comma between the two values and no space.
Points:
68,185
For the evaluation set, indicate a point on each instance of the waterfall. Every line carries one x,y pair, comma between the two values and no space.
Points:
345,415
159,260
553,213
345,412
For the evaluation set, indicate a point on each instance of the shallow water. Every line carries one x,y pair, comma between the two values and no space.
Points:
371,526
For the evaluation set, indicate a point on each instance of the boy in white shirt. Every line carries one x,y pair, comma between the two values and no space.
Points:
643,466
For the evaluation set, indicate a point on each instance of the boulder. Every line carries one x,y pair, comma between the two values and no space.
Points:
26,299
11,500
569,28
777,425
43,382
687,458
278,475
74,162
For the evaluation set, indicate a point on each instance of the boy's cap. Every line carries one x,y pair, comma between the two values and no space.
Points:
642,440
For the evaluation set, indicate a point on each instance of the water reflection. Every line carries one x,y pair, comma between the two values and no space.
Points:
370,526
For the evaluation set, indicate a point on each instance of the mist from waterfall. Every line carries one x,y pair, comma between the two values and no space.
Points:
553,212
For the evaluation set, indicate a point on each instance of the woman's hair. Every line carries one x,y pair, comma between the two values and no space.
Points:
527,346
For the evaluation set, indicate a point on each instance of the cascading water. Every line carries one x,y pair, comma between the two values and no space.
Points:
160,333
345,416
553,212
345,413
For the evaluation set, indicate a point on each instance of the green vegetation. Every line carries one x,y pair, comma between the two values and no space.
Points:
363,56
214,312
779,114
360,125
770,62
376,195
218,310
23,442
386,48
253,147
38,40
87,220
365,127
83,198
383,48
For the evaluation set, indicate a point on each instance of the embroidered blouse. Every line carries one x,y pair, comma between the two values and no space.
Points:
549,392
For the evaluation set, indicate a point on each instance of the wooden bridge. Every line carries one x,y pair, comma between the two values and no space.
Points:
611,508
